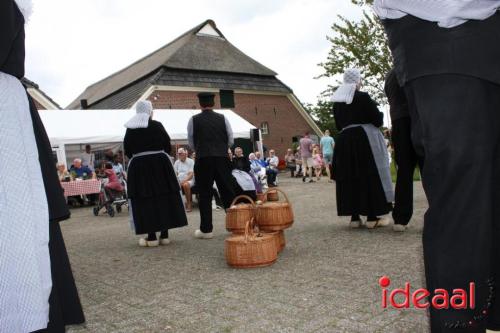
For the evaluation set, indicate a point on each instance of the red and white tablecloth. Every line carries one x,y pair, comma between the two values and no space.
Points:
81,187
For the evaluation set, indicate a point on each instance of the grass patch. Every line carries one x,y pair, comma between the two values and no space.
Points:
394,172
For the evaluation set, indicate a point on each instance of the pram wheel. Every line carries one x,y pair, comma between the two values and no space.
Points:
118,209
111,211
96,211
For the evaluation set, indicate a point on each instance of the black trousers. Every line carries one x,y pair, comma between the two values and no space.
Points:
207,170
456,125
406,161
272,174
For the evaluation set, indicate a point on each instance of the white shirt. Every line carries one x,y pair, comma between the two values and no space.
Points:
447,13
88,159
273,161
182,169
118,168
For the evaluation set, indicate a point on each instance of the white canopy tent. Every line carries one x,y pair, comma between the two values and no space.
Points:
106,126
79,127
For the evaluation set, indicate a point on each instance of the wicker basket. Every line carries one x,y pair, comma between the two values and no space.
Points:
279,237
282,240
275,216
238,215
262,197
272,195
251,250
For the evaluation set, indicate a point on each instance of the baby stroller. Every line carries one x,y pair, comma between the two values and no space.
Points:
110,200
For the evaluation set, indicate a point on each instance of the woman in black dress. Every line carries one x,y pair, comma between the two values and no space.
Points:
361,164
19,112
154,191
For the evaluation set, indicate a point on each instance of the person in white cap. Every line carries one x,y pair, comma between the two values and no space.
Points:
360,163
37,288
154,192
447,58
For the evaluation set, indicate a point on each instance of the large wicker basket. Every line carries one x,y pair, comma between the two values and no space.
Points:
238,215
251,250
275,216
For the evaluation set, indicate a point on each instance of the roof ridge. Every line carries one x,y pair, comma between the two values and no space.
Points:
191,50
192,31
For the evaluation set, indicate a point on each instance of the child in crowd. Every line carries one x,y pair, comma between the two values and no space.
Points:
317,163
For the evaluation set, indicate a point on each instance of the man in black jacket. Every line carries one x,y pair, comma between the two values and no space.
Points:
405,155
210,136
451,75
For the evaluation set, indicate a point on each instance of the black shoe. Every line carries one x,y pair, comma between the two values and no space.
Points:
311,181
303,179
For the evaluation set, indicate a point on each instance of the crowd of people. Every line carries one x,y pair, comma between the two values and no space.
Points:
87,166
109,167
311,160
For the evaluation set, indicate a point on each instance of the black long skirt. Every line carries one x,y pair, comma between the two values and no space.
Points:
358,185
64,303
154,192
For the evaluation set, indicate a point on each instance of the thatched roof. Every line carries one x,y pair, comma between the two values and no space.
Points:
40,96
201,49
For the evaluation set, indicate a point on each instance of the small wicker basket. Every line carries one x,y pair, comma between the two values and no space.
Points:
238,215
275,216
272,195
251,250
262,197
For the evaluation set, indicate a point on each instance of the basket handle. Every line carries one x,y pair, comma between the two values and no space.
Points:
243,197
249,228
278,190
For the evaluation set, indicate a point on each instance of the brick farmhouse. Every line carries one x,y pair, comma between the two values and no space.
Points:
202,59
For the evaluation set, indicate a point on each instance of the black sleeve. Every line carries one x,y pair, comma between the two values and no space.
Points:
10,26
376,117
338,121
164,138
126,144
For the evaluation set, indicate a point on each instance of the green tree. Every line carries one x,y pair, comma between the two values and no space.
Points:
361,44
323,115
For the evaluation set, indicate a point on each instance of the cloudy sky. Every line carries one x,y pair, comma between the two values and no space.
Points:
72,44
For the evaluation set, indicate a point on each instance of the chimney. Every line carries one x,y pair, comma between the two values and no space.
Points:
84,104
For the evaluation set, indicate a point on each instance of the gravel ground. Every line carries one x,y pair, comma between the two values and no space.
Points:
326,280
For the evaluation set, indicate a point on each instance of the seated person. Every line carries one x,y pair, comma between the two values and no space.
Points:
184,169
113,183
257,170
272,168
62,173
244,184
242,172
80,171
118,167
240,162
262,161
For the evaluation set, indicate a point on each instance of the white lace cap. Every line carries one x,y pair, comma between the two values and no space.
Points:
345,93
144,109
